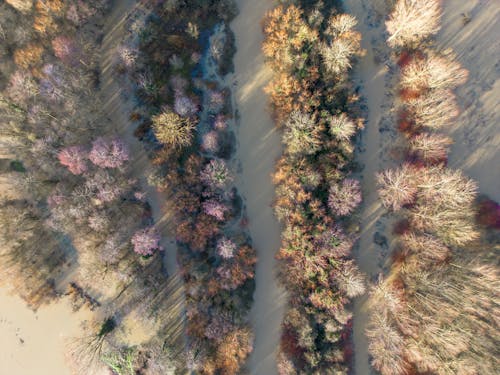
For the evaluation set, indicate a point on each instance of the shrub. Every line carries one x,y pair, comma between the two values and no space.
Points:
172,129
488,213
343,198
146,241
412,21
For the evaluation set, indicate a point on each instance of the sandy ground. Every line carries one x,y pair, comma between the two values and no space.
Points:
258,149
371,74
33,343
477,131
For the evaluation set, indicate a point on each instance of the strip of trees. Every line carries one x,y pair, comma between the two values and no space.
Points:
436,311
311,50
185,120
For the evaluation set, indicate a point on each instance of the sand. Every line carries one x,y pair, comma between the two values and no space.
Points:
477,131
34,343
258,149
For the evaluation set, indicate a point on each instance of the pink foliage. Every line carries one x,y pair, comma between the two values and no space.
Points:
215,208
112,154
219,327
185,106
216,174
345,197
210,142
105,187
220,122
22,87
146,241
179,85
226,248
74,158
216,101
65,49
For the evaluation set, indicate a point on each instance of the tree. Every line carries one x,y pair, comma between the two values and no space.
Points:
397,187
66,49
226,248
172,129
74,158
350,280
28,56
109,154
216,175
344,44
21,5
386,345
433,72
343,198
146,241
302,134
436,109
185,106
210,141
342,127
412,21
429,148
286,34
215,208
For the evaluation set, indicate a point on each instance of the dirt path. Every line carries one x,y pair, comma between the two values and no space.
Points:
117,107
258,149
373,246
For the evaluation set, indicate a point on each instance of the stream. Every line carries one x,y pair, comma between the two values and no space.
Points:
258,150
373,245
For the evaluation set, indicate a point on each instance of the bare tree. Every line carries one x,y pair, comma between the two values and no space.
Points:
412,21
433,72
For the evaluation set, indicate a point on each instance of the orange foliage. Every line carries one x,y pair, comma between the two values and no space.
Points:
233,351
28,56
286,34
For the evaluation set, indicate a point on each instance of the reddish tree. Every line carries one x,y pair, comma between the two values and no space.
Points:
74,158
